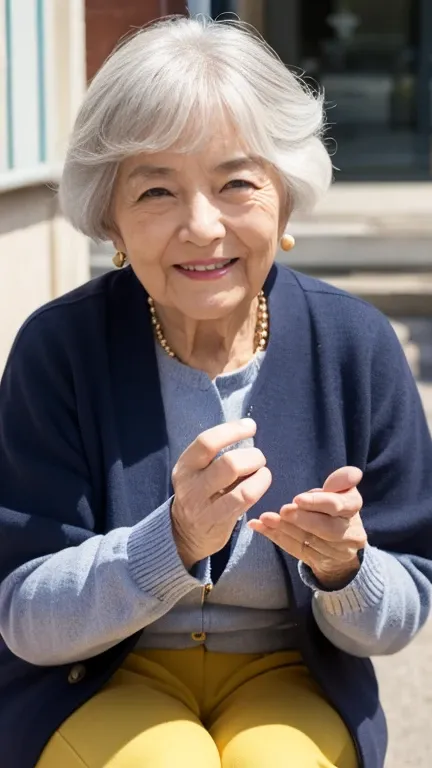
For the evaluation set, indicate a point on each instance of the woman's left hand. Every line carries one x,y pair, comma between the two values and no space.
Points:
322,527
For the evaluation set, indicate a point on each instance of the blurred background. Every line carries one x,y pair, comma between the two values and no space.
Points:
372,234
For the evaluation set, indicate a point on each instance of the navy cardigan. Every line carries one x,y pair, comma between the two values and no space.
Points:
83,449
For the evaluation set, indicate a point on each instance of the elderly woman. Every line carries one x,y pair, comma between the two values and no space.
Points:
190,576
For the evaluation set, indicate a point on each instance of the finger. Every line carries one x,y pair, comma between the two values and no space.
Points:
294,506
290,507
343,479
244,495
289,544
227,469
208,444
281,529
334,504
343,536
327,527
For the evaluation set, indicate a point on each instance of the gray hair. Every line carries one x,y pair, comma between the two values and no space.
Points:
165,86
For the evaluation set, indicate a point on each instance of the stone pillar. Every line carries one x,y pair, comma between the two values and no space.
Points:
3,88
41,256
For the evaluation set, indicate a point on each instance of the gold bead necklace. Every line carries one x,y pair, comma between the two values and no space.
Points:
261,328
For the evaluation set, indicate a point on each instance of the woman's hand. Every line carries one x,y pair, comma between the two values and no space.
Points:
322,527
212,493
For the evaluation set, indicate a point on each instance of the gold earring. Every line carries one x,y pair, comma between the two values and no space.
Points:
119,260
287,242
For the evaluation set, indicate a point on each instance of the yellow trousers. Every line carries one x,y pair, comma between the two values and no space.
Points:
197,709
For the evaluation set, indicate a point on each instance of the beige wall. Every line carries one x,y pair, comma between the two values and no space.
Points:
40,258
2,86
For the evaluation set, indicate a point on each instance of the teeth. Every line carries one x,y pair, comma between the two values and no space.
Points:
209,268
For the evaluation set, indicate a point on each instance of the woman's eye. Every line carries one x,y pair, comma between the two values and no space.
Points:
239,184
154,192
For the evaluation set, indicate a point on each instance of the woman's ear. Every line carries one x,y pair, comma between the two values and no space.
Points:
116,240
285,213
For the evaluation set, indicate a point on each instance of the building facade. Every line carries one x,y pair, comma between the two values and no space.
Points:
107,21
42,80
374,61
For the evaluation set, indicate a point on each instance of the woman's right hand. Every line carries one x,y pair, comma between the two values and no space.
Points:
212,493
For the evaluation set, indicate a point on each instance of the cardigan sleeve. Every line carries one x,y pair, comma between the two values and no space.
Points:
381,610
66,593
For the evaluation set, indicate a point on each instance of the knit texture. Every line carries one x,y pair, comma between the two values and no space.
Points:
246,610
85,487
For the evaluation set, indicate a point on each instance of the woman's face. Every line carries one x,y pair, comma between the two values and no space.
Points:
176,213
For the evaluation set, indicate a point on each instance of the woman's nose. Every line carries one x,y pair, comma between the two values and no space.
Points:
202,222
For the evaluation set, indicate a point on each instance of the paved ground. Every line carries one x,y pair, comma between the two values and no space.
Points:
406,693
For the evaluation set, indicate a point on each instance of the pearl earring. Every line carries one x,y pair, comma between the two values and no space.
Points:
119,260
287,242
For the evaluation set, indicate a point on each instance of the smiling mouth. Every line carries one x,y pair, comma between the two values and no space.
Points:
212,267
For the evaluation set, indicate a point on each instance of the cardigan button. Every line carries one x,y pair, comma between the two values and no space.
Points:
76,673
198,637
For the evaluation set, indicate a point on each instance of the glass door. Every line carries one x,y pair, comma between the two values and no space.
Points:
373,58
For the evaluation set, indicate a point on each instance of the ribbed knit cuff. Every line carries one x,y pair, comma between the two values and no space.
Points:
154,562
364,591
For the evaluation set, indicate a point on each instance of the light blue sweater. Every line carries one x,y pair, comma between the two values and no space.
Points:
137,579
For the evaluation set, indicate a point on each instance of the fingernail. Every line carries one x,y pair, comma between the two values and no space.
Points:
248,423
353,476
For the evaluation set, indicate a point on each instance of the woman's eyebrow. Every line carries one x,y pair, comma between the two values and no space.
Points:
149,171
239,163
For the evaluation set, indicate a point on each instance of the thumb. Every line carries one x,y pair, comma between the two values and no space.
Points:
343,479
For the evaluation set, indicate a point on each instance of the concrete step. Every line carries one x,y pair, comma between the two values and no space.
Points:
420,333
402,331
396,294
329,252
412,350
